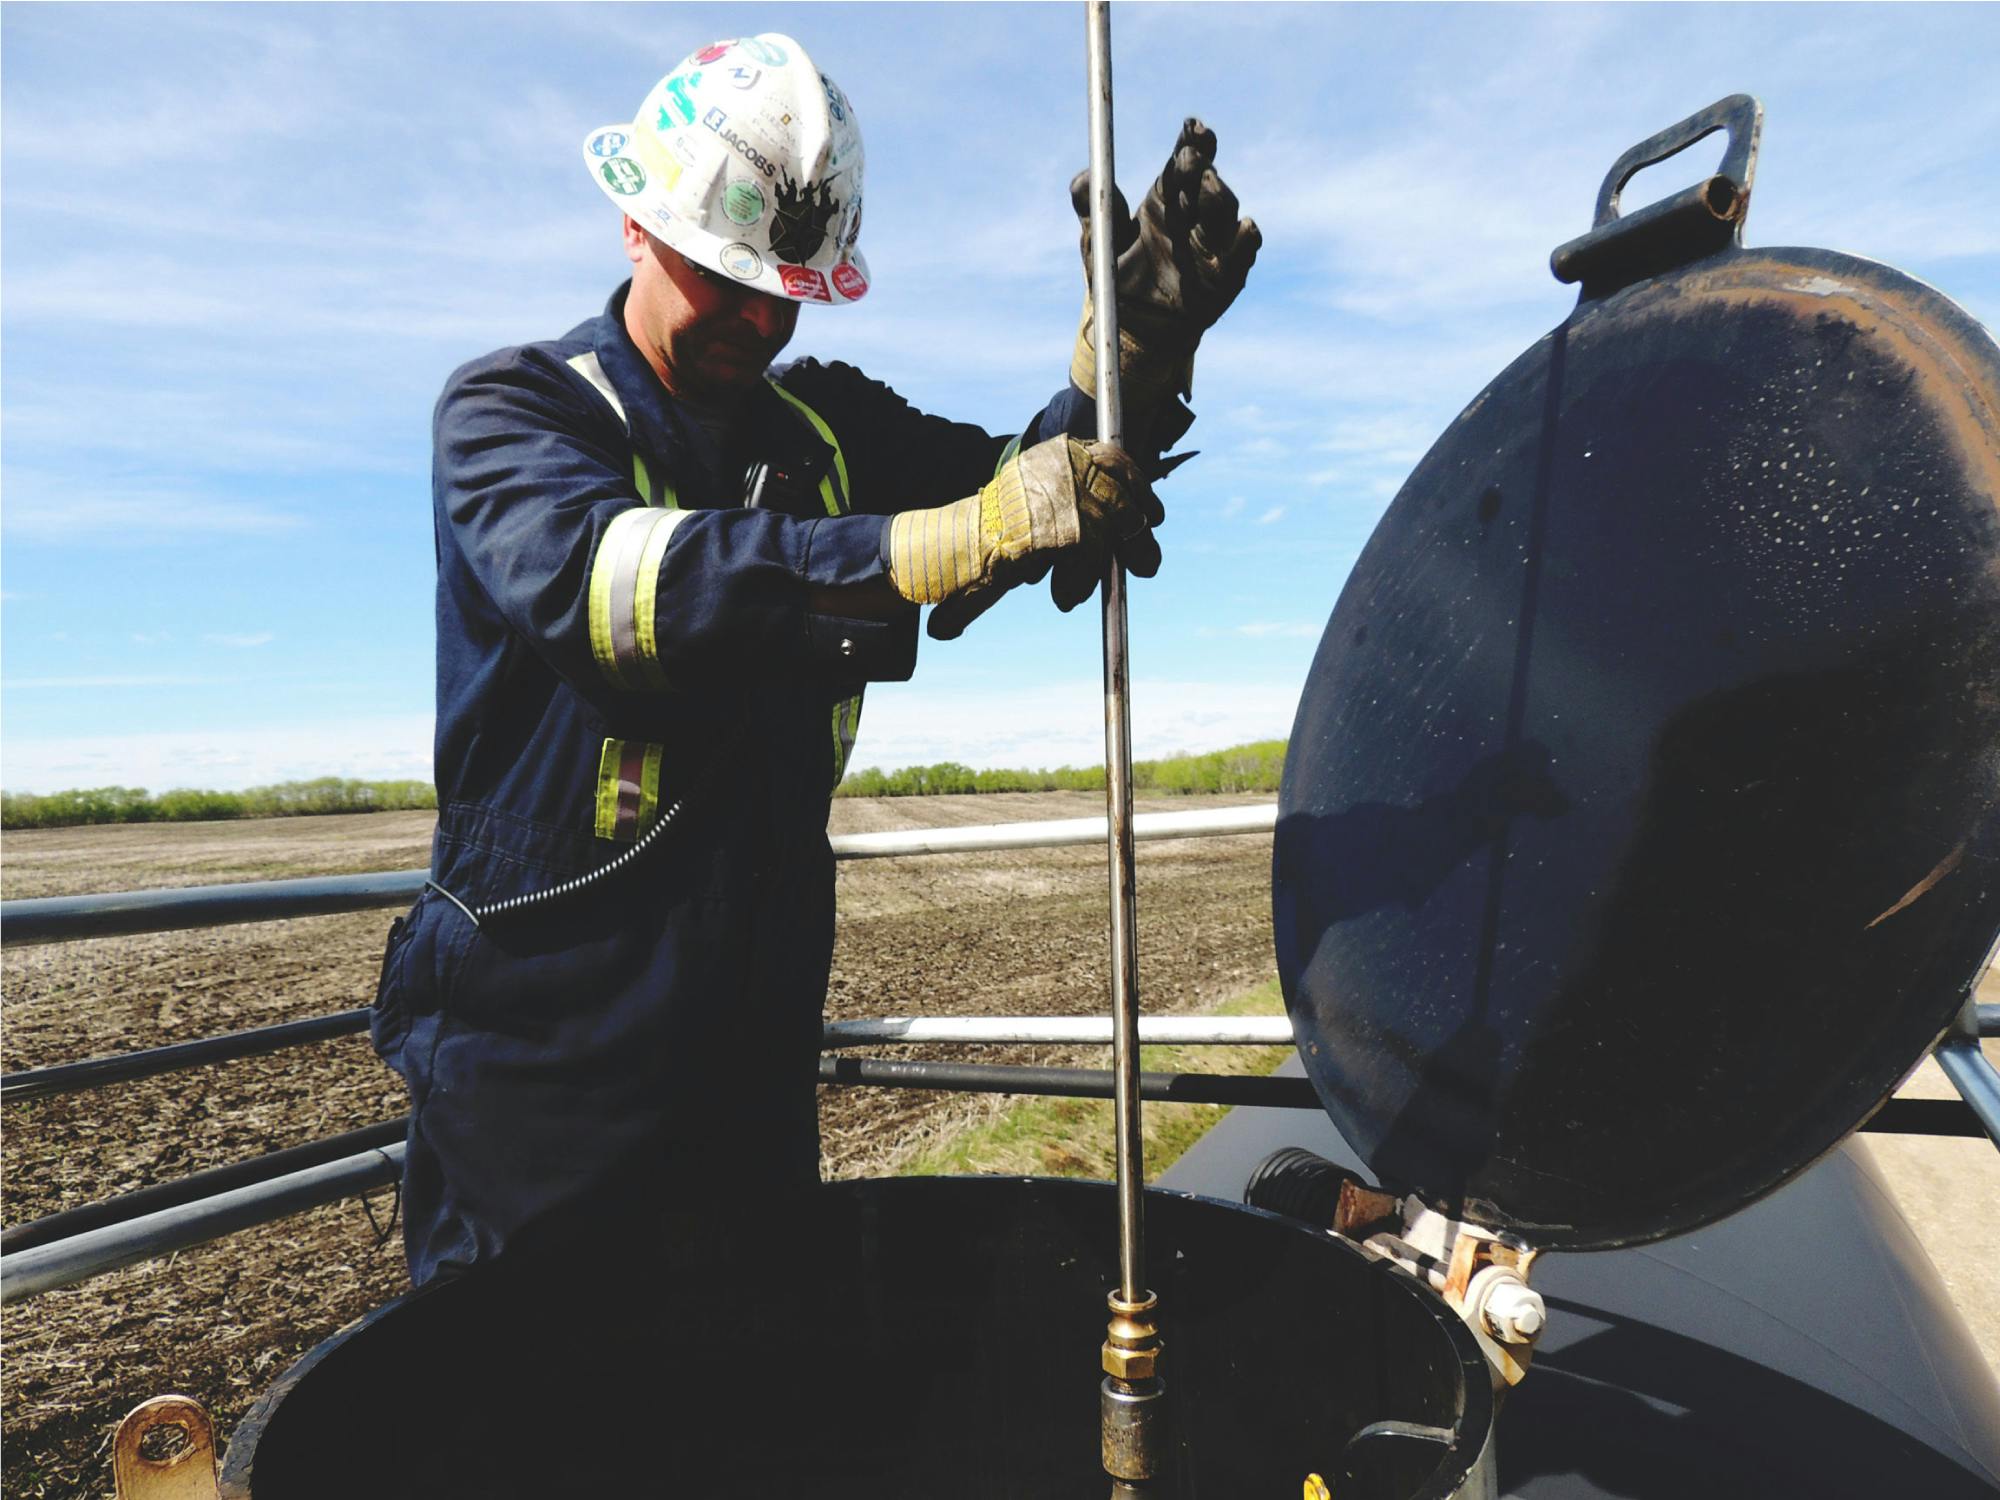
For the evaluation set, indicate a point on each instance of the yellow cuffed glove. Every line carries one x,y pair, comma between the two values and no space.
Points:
1062,504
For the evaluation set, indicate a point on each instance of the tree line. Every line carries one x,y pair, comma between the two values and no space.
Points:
131,804
1242,768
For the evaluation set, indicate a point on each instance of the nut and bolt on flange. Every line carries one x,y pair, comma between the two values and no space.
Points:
1514,1312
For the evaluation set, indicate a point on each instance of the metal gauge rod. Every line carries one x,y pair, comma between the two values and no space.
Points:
1117,685
1131,1430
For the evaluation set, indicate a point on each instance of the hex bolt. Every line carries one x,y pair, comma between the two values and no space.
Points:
1514,1312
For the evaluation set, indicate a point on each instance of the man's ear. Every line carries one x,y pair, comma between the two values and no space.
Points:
637,246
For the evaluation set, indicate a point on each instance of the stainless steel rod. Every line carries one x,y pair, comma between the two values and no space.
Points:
63,919
1117,684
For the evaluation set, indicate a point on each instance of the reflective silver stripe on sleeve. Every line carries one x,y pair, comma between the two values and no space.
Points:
591,368
622,596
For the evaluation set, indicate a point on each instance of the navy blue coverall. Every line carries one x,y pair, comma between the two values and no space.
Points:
617,631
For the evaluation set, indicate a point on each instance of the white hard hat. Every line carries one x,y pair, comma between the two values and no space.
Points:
747,160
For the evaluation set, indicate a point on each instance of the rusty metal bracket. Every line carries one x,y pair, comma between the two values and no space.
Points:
1483,1275
165,1450
1695,222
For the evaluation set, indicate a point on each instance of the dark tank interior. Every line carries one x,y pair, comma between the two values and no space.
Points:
916,1337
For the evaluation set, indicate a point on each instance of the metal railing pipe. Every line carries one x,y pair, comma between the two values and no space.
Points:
80,1257
1975,1078
1069,1083
64,919
1178,1031
128,1229
123,1067
1187,1031
197,1185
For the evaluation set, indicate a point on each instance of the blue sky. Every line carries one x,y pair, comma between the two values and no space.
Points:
242,247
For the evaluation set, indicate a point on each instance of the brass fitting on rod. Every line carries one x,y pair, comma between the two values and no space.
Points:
1132,1399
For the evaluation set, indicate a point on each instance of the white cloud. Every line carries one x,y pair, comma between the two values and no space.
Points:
1259,629
1233,506
95,520
389,747
241,642
23,684
1275,513
150,637
1062,722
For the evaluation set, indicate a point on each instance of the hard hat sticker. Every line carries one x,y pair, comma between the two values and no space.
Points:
624,176
682,111
742,262
764,52
804,283
836,102
743,201
710,54
850,283
801,217
718,121
742,78
607,143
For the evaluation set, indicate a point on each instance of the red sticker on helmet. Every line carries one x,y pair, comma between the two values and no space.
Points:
850,283
710,54
805,283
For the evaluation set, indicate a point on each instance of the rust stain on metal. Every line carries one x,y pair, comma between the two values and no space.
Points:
1949,377
1944,867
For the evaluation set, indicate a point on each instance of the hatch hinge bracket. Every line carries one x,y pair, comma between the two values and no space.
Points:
1481,1273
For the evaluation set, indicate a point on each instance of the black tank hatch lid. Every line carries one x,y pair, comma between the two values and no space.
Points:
1641,824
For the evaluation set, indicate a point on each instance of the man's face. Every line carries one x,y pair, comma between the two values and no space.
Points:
711,338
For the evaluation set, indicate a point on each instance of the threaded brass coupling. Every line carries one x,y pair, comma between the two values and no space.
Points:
1132,1343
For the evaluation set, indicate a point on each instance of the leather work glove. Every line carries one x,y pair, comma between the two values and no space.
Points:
1063,504
1179,266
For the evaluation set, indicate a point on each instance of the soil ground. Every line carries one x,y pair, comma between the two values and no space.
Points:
221,1321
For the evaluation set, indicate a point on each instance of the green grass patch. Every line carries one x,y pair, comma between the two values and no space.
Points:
1074,1137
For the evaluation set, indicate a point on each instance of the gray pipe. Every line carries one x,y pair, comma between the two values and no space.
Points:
62,919
28,1273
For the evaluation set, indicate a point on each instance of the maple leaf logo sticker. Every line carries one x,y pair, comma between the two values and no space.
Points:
801,217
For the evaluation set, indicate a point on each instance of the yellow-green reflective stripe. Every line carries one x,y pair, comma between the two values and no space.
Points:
846,724
645,602
834,506
603,568
1013,447
628,788
624,593
641,478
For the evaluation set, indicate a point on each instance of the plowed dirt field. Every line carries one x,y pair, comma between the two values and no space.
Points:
221,1321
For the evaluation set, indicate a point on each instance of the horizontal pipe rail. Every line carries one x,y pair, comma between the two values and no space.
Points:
63,919
1068,1083
196,1185
123,1067
1184,1031
1975,1078
1988,1018
80,1257
159,1220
